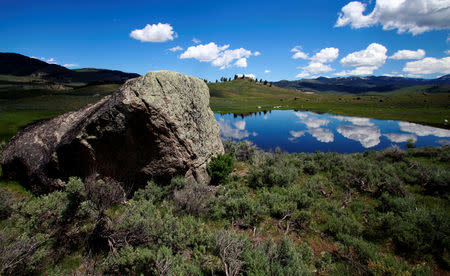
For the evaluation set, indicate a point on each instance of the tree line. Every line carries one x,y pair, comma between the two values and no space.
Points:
225,79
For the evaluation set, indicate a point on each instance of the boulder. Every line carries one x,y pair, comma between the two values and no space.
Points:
156,126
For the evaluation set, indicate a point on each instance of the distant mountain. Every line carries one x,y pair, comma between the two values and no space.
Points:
358,85
20,65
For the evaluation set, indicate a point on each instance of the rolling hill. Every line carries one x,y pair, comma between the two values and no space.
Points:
13,64
358,85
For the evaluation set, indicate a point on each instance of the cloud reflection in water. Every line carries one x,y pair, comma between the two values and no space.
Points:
420,130
368,136
239,132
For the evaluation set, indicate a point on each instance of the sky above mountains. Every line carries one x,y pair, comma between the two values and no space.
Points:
271,40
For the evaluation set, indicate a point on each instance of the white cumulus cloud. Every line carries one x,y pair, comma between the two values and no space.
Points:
373,55
176,48
51,61
219,56
266,71
160,32
299,53
252,76
303,75
69,65
257,53
204,53
226,57
317,67
366,61
414,16
196,41
326,55
408,54
316,64
428,65
242,62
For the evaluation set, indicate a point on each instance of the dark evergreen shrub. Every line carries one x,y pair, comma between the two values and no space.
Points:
219,168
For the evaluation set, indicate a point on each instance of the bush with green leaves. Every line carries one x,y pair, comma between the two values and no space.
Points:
241,151
278,170
5,203
219,168
236,205
193,199
284,258
415,231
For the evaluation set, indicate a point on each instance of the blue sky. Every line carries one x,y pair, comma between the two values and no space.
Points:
250,37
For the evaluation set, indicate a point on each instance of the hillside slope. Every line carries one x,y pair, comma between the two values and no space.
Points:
358,85
19,65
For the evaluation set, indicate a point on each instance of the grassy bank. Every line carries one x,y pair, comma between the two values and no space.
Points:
374,213
412,104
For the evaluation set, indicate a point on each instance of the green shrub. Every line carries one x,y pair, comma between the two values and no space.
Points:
192,199
129,260
386,264
310,168
278,202
152,192
343,224
284,258
364,250
370,177
241,151
238,206
5,203
439,183
393,154
219,168
278,170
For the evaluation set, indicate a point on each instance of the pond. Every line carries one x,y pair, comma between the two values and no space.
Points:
298,131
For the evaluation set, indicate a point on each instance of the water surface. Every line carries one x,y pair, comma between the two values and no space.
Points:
298,131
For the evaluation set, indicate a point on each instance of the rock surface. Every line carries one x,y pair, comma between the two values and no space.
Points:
155,127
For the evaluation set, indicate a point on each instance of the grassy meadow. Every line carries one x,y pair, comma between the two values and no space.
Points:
26,99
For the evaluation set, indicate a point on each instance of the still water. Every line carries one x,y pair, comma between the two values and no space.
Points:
297,131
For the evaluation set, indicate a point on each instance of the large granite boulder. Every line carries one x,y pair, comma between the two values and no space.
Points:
155,127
